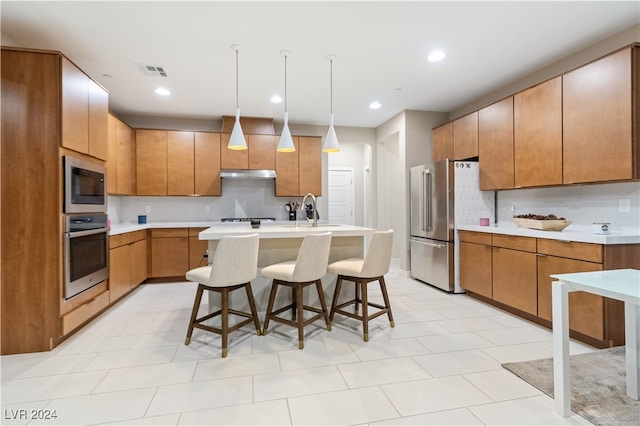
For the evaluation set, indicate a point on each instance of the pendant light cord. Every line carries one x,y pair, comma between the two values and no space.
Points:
331,85
286,109
237,91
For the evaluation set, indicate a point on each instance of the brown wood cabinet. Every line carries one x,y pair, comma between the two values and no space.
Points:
514,273
442,142
207,163
262,151
197,249
169,252
121,160
465,137
180,163
300,172
85,108
232,158
127,262
475,263
151,162
598,119
495,145
537,135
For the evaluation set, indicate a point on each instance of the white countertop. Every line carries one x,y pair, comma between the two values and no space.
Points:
277,229
577,233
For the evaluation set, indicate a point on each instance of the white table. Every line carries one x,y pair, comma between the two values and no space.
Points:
619,284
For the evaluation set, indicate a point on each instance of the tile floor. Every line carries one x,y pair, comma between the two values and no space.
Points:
441,364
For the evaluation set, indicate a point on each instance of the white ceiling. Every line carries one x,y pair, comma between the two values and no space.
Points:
380,49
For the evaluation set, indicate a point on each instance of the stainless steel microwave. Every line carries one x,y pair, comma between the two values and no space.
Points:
85,186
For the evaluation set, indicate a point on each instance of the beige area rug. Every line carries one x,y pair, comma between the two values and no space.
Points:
598,385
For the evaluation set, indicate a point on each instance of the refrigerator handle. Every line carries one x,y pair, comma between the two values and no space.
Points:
427,216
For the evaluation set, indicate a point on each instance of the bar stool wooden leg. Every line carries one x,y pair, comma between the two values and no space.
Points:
294,304
357,299
300,314
225,320
336,296
254,310
194,313
365,309
385,296
272,298
323,304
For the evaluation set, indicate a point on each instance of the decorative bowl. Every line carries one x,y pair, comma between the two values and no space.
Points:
542,225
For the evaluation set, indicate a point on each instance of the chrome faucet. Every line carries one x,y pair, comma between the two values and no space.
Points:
313,203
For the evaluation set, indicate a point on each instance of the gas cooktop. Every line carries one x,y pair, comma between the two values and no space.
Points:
248,219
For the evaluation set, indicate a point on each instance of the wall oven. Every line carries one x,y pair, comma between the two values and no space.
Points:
86,252
85,186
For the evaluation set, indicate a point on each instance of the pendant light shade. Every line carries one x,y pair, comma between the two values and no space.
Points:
237,140
331,140
286,141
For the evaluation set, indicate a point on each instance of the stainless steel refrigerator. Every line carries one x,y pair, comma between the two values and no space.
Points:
444,194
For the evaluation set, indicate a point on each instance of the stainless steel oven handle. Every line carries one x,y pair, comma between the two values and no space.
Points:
86,233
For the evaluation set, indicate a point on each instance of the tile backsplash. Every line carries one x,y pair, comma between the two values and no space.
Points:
582,204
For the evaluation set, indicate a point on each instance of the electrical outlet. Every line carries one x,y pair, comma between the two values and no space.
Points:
624,205
147,209
514,206
207,208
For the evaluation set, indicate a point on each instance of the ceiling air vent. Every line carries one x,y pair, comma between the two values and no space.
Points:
154,70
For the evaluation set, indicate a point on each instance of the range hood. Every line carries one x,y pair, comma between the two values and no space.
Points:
247,174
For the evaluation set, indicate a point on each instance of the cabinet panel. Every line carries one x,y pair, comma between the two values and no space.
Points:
180,163
476,268
126,160
570,249
515,279
169,257
597,120
475,237
495,145
442,142
310,165
465,136
514,242
112,159
287,180
207,164
151,162
119,272
537,140
169,232
262,151
75,108
138,262
98,120
586,311
78,316
231,158
197,250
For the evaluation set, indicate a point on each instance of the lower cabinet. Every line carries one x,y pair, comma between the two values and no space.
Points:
169,252
197,249
514,272
127,262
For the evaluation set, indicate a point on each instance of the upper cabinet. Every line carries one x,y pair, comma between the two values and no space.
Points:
579,127
442,141
495,145
170,162
598,119
465,137
260,153
85,111
537,138
121,158
300,172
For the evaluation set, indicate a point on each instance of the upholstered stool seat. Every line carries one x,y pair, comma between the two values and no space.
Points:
235,264
308,269
362,272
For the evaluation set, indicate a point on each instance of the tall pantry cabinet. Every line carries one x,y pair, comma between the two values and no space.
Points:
36,133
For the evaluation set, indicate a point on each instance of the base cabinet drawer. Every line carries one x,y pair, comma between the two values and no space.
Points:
83,313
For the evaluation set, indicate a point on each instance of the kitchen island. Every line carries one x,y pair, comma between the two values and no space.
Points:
280,242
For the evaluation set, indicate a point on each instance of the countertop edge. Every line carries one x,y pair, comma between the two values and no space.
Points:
577,234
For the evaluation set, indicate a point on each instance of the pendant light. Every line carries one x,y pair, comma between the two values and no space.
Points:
286,141
331,140
237,140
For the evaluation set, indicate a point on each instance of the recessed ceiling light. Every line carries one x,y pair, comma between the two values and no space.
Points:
162,91
374,105
436,55
276,99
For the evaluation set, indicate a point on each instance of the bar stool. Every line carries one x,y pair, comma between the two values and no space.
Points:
361,272
234,265
308,269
